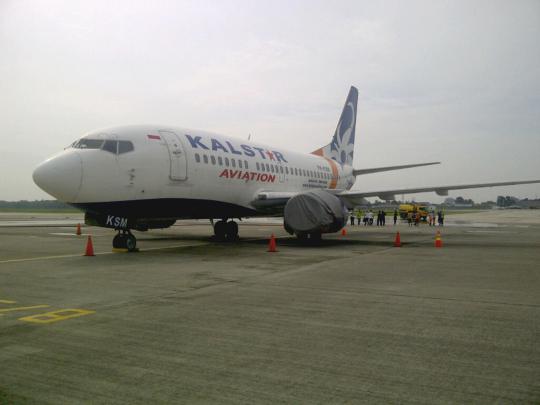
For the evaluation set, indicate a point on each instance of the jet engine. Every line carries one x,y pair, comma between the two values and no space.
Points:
313,213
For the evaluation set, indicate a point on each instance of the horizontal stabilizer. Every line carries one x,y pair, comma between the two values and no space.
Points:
359,172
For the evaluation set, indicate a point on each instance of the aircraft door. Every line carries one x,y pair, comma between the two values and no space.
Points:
177,156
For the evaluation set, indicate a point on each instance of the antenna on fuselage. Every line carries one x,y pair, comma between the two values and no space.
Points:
249,137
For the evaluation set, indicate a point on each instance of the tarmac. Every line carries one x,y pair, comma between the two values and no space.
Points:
349,320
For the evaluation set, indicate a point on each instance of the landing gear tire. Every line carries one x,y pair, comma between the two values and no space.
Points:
220,230
302,236
119,241
131,242
231,230
315,236
224,230
125,241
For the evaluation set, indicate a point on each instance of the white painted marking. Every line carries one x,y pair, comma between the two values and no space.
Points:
29,259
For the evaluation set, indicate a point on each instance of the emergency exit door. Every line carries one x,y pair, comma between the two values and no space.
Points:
177,156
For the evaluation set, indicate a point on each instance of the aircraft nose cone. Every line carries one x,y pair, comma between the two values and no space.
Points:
60,176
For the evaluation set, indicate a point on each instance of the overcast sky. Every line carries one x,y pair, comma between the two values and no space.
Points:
452,81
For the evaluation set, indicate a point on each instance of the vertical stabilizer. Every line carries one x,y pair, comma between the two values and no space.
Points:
341,148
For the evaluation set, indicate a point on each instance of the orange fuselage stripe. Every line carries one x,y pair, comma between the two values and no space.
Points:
335,173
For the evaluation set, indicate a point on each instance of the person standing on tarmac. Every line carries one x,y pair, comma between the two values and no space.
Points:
409,218
358,217
440,218
352,218
370,218
395,216
383,218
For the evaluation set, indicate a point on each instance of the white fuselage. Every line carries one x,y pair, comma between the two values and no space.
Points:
175,165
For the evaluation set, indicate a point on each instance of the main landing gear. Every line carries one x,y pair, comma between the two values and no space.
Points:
125,240
226,230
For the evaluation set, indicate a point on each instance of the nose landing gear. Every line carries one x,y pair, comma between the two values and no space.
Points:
125,240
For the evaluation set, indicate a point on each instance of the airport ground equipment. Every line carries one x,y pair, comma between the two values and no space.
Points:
405,209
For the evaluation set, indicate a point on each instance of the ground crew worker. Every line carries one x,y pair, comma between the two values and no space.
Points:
352,219
409,218
395,216
383,218
358,216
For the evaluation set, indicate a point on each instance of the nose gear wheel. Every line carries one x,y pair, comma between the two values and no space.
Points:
125,240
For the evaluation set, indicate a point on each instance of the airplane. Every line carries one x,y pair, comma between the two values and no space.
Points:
149,176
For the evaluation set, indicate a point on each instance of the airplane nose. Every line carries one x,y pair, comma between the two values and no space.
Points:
60,176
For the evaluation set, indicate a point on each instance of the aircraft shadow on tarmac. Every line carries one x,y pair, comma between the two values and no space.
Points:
281,241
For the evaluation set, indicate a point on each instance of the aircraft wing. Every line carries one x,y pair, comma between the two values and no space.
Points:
357,197
359,172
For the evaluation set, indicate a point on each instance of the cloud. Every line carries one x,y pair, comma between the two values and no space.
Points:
457,81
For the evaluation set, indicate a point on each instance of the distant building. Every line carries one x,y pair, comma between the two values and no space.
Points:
458,202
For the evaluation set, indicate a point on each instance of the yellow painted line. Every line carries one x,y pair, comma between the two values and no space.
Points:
55,316
24,308
7,302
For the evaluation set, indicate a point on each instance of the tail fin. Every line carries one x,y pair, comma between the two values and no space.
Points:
341,149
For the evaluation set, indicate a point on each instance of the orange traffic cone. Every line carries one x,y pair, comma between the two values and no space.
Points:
78,229
438,240
89,247
343,232
397,242
272,244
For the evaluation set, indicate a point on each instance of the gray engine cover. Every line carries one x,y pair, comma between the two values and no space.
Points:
315,211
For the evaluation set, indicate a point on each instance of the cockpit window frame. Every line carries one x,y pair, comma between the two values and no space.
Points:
84,142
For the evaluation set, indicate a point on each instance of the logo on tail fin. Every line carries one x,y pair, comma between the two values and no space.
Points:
341,149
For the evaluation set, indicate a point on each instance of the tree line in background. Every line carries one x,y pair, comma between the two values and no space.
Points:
36,204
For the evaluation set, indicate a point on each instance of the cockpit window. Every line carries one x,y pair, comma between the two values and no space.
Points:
124,147
85,143
110,146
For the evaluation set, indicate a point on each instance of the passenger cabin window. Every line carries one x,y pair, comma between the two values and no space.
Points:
213,159
220,160
88,144
197,158
227,162
233,163
246,164
240,164
205,159
257,165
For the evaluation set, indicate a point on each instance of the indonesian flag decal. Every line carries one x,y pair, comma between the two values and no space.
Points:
157,137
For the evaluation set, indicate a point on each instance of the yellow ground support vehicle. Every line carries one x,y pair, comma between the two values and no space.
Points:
404,210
